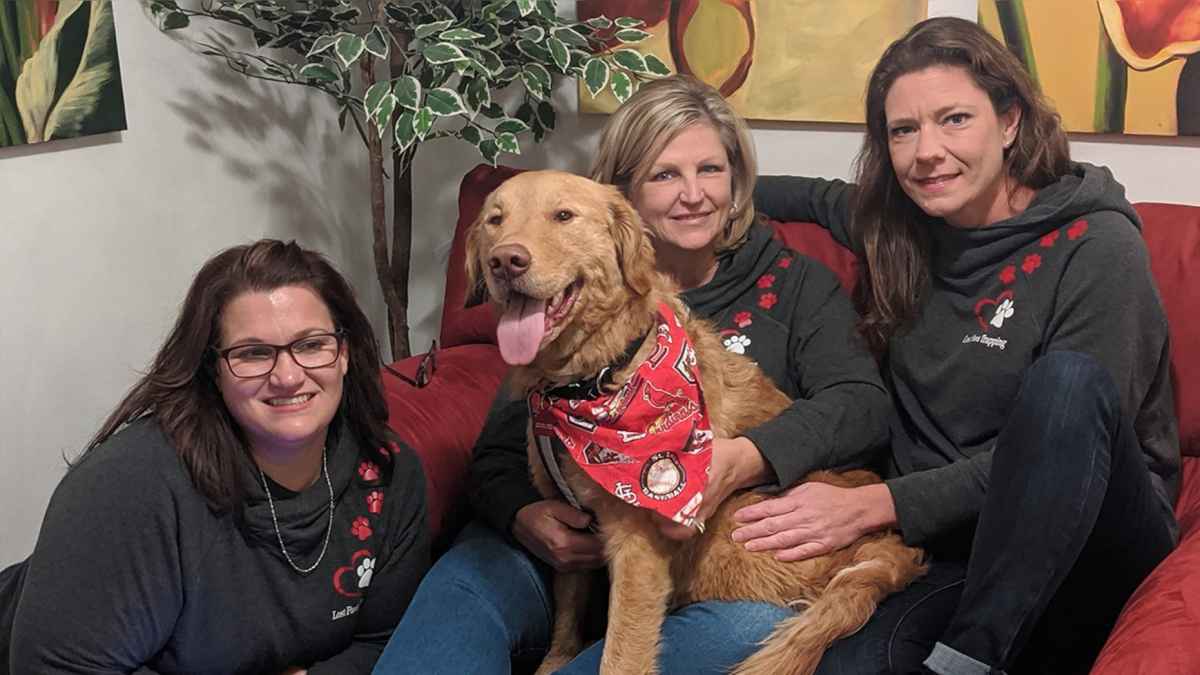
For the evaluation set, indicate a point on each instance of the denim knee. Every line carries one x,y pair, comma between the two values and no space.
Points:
1065,389
482,562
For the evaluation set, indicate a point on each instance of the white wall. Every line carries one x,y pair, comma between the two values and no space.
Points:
99,237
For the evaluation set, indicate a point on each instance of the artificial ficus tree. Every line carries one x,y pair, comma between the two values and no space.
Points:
447,65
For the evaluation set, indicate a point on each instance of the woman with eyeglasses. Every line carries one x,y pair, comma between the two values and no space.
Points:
244,509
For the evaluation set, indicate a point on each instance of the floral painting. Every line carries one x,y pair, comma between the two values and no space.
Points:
59,76
1129,67
804,60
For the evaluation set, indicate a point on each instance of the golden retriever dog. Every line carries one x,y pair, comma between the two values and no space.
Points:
570,267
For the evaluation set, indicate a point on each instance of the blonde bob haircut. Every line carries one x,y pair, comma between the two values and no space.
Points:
635,135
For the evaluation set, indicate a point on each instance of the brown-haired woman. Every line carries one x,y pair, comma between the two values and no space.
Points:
244,508
1008,292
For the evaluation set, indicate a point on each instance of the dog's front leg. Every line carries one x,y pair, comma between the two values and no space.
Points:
640,567
570,602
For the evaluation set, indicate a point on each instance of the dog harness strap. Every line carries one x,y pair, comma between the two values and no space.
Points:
650,442
550,461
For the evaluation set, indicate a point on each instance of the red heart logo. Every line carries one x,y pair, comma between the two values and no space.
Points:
340,572
1006,295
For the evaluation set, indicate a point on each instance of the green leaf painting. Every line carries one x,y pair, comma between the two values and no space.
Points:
59,75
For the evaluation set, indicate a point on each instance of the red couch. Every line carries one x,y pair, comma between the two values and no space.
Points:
1158,632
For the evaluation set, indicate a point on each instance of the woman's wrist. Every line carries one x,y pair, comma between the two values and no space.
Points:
879,512
751,467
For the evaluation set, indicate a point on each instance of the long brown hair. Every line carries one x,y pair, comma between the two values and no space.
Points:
180,393
635,135
891,228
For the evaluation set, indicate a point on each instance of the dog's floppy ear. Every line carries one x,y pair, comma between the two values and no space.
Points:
477,292
635,255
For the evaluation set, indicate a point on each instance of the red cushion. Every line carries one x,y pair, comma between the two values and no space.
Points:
1158,629
476,325
441,423
815,241
1172,233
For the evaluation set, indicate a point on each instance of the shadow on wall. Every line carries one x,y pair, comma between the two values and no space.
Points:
288,147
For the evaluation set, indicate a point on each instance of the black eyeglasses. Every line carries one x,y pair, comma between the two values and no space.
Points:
425,369
255,360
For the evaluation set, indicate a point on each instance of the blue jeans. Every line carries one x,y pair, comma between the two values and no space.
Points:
487,604
1070,526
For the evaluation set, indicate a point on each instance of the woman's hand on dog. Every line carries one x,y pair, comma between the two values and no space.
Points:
736,464
813,518
550,530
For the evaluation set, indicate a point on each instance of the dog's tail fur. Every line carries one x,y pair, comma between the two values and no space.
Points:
797,643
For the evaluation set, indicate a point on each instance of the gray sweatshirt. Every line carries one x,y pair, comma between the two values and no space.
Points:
1069,273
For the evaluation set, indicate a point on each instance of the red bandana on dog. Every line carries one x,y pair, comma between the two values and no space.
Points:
649,443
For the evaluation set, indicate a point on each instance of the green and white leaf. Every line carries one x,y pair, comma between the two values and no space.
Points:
655,66
630,60
569,37
536,79
600,22
546,116
631,35
461,35
489,150
526,6
533,50
383,114
322,43
318,72
595,76
422,122
442,52
479,95
375,96
621,85
405,134
470,133
349,47
408,92
377,42
629,22
46,116
427,30
558,51
535,33
511,126
444,102
508,143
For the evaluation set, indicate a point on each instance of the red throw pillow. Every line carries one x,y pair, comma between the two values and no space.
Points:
1172,233
476,325
815,241
1156,633
441,422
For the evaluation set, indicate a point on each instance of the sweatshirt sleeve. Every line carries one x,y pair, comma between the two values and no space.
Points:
840,419
499,482
104,583
934,501
811,200
394,584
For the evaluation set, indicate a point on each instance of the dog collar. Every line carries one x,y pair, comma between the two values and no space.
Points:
649,443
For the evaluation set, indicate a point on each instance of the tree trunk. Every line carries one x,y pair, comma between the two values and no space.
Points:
392,298
401,244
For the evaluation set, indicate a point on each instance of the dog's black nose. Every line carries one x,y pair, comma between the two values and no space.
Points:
510,260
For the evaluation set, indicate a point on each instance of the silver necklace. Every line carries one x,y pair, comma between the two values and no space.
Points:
274,519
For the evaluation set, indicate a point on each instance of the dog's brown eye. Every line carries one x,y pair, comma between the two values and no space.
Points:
494,220
563,216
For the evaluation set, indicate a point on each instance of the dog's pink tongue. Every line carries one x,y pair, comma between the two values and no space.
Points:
520,330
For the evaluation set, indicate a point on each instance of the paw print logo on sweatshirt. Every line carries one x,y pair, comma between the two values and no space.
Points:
736,343
742,319
375,502
361,528
1077,230
1032,262
766,280
785,262
365,569
1003,311
350,580
1049,239
369,471
1008,275
768,300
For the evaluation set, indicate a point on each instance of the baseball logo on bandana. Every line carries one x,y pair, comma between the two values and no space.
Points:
651,438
